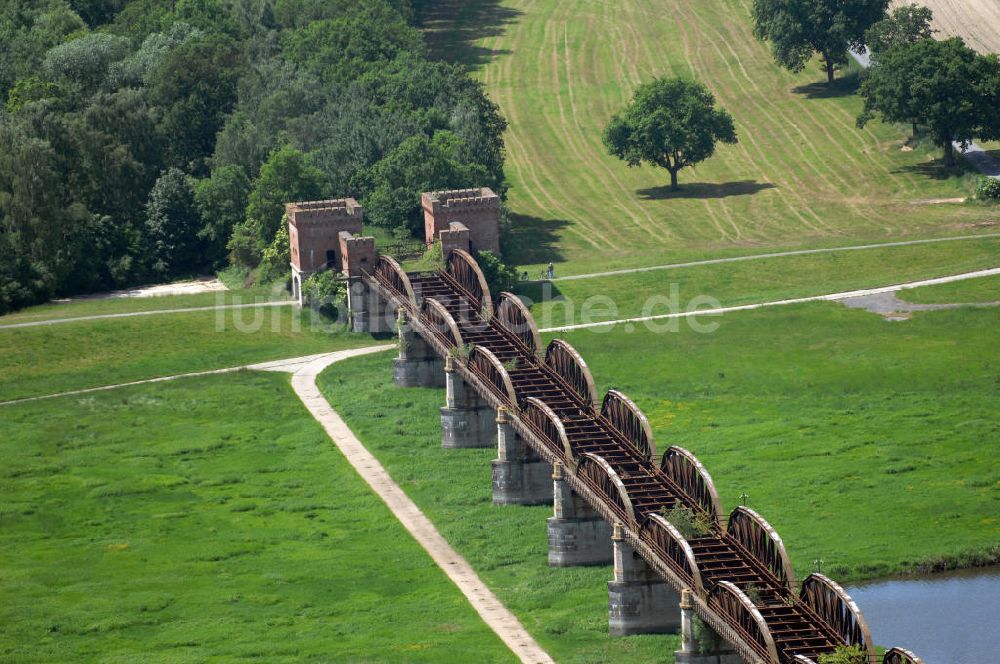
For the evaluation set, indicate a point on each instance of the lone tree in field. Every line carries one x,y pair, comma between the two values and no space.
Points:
799,28
671,123
944,85
907,24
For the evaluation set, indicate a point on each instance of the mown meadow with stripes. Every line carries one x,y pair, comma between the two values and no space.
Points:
802,173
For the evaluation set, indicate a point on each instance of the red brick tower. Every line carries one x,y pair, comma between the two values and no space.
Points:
314,236
452,212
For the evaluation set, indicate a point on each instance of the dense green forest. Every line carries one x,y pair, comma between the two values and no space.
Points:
145,140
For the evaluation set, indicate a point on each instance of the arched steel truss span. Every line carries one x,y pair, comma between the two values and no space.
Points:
741,579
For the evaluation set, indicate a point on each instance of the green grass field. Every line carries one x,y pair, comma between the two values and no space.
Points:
763,280
58,358
986,289
802,174
208,519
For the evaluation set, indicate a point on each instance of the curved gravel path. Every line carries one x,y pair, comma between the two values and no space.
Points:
491,610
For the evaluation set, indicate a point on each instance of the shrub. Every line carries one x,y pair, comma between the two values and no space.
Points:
324,292
500,276
988,189
689,524
274,262
845,655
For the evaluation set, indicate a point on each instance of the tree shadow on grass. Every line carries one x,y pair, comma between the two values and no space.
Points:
935,169
453,27
532,240
705,190
844,86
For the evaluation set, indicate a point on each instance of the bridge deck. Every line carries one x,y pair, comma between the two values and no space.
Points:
793,626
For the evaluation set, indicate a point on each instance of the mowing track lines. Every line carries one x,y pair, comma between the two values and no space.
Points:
750,52
503,94
558,55
780,173
843,128
599,156
764,105
580,228
729,37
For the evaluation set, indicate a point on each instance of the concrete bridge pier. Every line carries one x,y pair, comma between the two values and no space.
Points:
520,477
639,601
368,312
578,535
417,365
712,649
466,419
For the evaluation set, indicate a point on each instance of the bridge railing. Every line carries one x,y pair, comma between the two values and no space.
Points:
900,656
724,607
595,471
762,541
684,469
629,421
836,608
742,614
674,550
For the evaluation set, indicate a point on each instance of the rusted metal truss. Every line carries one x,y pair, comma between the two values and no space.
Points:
739,573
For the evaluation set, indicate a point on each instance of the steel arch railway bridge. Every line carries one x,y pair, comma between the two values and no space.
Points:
737,577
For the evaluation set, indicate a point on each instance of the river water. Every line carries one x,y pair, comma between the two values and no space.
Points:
943,618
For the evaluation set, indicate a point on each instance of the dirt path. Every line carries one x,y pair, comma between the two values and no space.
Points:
289,365
779,254
629,323
155,312
492,611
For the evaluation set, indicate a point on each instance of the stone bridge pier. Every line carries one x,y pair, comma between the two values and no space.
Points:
639,601
417,365
467,420
578,535
520,477
712,650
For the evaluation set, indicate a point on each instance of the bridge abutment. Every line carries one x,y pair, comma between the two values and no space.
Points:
705,647
466,419
418,365
519,476
578,535
639,601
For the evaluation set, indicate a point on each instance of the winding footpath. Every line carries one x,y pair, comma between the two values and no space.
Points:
504,623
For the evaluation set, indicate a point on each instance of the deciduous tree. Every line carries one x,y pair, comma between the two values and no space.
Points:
905,25
671,123
419,164
799,28
944,85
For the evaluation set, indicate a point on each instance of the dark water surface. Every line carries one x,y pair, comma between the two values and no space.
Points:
943,618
